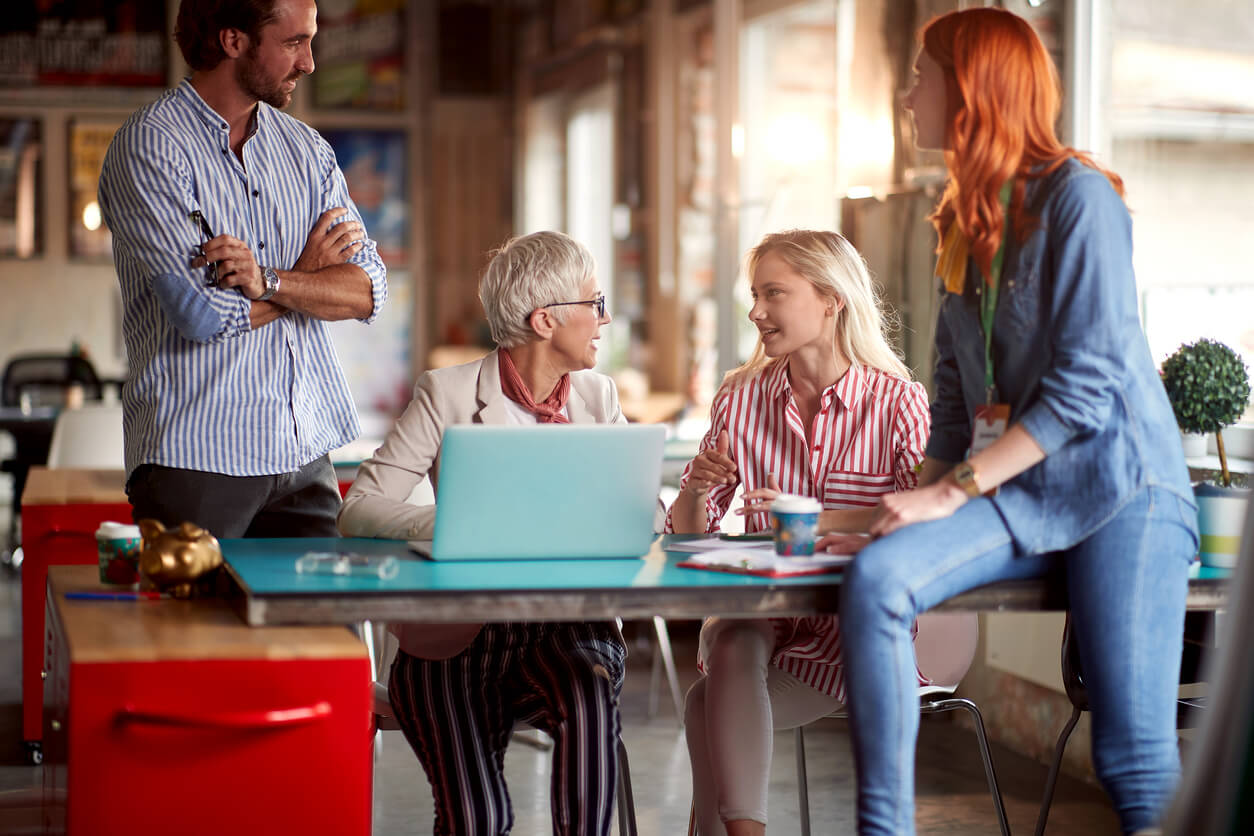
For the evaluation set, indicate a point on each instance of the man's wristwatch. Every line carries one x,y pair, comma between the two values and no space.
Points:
271,279
966,477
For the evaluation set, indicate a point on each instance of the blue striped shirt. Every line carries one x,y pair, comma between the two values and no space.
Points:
206,391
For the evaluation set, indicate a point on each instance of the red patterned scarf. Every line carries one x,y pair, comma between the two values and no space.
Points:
512,384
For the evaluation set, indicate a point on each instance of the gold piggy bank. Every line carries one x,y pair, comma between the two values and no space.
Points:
179,561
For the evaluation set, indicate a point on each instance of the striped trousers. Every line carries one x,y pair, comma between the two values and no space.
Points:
458,715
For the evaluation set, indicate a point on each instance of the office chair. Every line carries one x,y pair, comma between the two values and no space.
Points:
1188,710
45,377
39,380
944,647
88,438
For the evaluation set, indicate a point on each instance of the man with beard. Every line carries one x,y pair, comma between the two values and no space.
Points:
235,241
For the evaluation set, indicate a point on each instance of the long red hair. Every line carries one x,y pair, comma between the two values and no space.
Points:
1002,99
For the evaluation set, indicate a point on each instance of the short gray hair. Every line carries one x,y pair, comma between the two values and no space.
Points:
529,272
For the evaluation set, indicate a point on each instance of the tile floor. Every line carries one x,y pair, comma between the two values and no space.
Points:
952,794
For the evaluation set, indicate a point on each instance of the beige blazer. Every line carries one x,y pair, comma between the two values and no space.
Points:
467,394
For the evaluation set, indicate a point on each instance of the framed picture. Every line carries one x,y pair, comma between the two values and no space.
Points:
77,43
360,55
373,162
88,140
21,183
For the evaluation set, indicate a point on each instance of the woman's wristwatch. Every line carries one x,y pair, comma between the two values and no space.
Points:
966,477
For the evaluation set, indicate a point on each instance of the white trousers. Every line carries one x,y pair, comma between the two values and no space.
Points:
730,718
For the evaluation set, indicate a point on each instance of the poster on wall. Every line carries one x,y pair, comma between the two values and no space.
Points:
113,43
88,142
374,166
21,175
360,55
375,359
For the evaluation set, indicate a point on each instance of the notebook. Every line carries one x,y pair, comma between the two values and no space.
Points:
546,491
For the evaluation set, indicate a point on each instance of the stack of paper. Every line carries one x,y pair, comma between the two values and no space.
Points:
755,558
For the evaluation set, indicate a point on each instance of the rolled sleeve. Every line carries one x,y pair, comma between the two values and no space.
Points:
147,196
1093,312
910,433
335,193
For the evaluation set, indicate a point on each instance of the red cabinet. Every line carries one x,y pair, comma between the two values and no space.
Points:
173,716
61,510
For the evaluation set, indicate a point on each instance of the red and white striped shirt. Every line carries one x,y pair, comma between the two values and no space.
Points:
868,437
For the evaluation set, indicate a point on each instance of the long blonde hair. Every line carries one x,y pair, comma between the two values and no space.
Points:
837,271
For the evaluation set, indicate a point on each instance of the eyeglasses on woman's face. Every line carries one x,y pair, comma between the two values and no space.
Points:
599,302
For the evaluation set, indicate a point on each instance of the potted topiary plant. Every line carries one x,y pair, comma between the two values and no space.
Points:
1209,389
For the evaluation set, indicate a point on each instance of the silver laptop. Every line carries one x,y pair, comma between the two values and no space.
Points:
547,491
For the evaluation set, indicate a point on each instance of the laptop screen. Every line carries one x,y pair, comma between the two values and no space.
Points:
547,491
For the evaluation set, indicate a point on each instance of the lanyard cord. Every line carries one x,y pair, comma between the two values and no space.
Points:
988,295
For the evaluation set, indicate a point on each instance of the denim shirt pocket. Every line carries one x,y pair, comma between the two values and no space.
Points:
845,489
1021,286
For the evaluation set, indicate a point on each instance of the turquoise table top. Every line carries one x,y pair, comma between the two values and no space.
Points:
268,567
273,592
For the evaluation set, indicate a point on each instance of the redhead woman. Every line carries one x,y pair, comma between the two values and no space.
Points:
824,408
1053,445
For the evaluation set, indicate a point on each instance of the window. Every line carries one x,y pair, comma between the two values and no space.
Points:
1179,128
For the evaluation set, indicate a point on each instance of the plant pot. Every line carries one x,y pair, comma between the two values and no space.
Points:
1220,519
1194,444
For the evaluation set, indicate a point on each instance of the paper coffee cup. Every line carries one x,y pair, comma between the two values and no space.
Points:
117,552
795,520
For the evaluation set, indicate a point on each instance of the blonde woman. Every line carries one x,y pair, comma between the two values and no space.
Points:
824,408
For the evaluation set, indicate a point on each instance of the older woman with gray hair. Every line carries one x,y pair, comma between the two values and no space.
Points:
458,690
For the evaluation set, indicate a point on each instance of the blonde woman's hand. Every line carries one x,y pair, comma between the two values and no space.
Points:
758,501
712,467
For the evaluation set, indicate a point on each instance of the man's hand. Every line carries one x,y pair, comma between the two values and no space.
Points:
236,265
331,241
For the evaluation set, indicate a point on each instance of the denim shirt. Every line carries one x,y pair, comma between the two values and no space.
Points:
1071,361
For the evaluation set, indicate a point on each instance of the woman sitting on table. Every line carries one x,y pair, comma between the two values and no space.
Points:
458,690
823,408
1038,332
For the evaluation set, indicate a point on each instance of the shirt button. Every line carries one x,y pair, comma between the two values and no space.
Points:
256,193
262,245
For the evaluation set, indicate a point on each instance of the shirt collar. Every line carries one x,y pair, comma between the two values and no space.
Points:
212,119
849,390
851,387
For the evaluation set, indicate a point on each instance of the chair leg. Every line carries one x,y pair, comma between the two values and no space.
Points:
668,661
1054,768
365,631
626,802
803,788
985,753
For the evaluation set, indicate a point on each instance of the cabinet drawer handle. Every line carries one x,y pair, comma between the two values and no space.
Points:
274,718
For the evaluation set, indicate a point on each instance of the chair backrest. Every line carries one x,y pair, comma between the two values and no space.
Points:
89,437
45,377
945,646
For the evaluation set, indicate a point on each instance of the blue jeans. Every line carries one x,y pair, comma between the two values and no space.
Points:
1127,585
